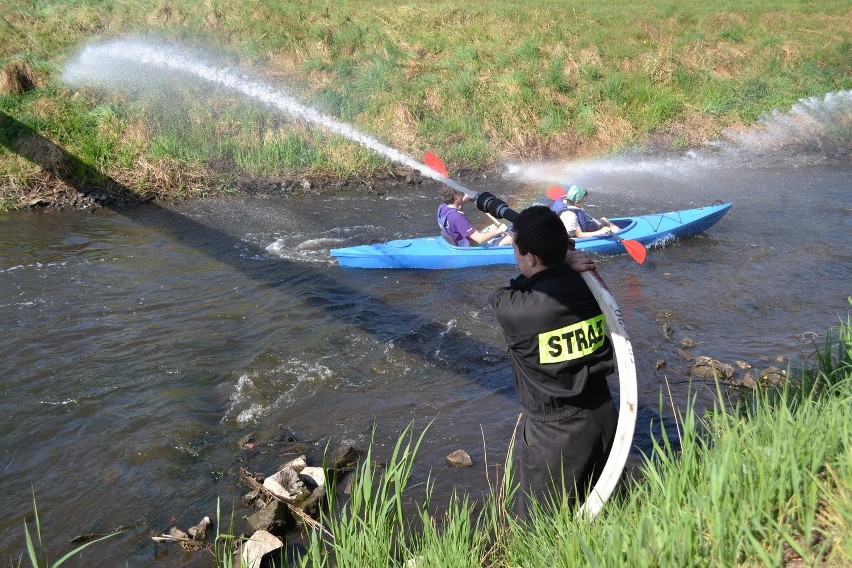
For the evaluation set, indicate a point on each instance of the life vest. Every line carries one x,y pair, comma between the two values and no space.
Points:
586,222
558,206
442,224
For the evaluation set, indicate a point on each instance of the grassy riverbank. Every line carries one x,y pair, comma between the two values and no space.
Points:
768,483
476,82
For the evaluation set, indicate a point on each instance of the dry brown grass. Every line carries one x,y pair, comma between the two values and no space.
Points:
719,20
44,107
166,178
590,55
400,126
567,145
16,78
692,131
433,100
283,65
611,131
41,151
30,186
45,177
790,52
522,144
723,59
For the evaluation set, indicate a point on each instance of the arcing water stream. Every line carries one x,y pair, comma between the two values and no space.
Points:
123,63
139,347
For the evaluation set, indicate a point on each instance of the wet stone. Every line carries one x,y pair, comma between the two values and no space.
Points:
459,458
343,458
708,368
257,547
686,355
275,517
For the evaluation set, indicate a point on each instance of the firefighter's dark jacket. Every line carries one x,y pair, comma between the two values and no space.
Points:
554,329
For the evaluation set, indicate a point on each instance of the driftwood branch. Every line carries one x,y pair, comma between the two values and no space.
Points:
94,536
170,538
186,542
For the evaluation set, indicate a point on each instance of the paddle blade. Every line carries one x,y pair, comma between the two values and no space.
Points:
554,192
435,163
635,249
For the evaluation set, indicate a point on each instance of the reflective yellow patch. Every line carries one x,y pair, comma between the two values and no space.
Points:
572,341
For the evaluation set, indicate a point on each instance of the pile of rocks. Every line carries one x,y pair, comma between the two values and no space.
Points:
295,492
740,373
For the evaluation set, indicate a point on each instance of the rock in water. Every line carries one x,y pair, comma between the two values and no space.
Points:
459,458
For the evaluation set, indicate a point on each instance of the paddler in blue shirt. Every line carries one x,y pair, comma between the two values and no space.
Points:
578,223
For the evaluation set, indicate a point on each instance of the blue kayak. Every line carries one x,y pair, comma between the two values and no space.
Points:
436,252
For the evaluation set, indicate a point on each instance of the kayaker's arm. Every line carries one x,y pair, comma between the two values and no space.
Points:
479,237
581,234
606,228
612,226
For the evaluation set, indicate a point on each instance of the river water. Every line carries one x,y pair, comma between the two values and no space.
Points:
139,346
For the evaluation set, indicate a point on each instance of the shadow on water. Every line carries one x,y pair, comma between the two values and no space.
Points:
364,310
80,175
370,310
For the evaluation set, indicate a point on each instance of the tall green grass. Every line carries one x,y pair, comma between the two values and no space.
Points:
369,530
765,483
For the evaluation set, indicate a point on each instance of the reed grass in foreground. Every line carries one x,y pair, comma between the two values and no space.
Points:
768,482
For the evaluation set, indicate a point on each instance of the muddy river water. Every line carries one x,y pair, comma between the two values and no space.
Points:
139,346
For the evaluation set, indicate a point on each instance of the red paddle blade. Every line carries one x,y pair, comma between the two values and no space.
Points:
554,192
435,163
635,249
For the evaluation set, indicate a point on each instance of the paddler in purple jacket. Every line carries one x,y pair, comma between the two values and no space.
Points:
458,230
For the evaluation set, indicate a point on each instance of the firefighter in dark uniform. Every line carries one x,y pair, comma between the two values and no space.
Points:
561,357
